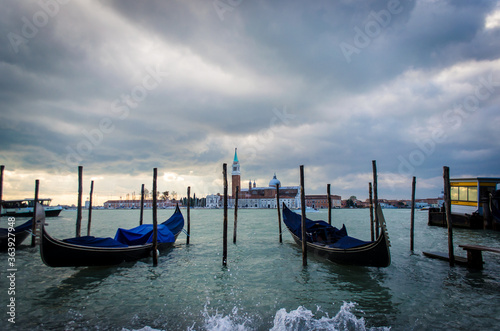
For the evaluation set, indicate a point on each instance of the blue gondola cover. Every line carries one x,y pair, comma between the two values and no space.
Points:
23,227
143,234
18,229
349,242
321,231
140,235
94,242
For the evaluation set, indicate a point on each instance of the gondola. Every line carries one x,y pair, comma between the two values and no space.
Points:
12,237
17,235
335,245
128,245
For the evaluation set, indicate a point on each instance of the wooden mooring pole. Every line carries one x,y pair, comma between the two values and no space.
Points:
279,211
90,207
329,197
155,220
412,217
224,229
447,204
79,208
237,193
2,167
372,230
33,226
188,211
142,205
375,196
303,209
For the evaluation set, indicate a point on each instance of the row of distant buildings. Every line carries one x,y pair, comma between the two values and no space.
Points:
269,201
384,203
254,196
265,197
136,204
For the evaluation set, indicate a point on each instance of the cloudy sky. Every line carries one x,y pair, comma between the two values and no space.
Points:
122,87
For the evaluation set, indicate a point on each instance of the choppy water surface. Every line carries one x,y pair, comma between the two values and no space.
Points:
264,285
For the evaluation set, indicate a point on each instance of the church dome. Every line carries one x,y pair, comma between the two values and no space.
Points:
274,181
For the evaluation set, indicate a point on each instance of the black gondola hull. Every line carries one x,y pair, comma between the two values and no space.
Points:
372,254
375,254
57,253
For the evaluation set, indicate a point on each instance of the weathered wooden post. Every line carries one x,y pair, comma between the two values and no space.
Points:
2,167
224,230
33,226
375,196
279,212
39,221
412,218
303,208
447,204
329,197
142,205
90,207
372,230
188,211
79,208
155,220
235,213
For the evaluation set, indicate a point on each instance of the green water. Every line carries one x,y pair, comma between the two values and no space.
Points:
264,285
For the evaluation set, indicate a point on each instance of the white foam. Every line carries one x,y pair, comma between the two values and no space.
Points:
304,319
298,319
219,322
146,328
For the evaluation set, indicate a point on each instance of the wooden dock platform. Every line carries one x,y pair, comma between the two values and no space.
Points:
475,255
445,257
474,258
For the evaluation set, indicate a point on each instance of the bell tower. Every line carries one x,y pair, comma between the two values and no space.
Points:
235,180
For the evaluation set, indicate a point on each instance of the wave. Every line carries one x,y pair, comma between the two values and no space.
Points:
295,320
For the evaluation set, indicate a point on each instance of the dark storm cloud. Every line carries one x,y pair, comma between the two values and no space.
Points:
123,86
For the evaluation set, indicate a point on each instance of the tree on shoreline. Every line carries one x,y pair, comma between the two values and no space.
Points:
352,202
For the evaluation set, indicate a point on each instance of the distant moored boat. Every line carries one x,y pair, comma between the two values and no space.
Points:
474,204
24,208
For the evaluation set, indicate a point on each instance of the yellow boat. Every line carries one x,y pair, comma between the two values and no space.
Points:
471,202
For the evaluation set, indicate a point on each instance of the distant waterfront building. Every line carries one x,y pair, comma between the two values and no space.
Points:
265,197
321,201
253,196
136,204
214,201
